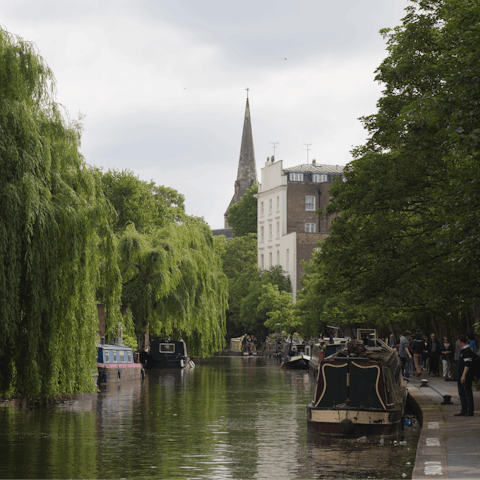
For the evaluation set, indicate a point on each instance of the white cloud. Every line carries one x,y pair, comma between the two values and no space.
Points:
163,83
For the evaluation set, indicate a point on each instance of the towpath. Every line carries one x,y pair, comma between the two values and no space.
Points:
449,446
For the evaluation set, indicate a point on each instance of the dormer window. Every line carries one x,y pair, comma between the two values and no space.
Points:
317,178
296,177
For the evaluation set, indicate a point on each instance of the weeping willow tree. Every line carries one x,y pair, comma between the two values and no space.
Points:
174,284
56,239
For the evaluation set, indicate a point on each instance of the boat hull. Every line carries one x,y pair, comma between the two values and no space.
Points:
118,373
299,362
354,422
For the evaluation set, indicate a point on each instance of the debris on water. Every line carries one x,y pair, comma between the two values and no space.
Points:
403,442
362,439
404,475
382,441
395,442
408,463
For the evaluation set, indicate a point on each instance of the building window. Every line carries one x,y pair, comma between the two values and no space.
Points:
278,204
310,227
270,232
296,177
270,207
309,203
261,261
317,178
270,258
278,257
278,229
288,260
261,208
262,232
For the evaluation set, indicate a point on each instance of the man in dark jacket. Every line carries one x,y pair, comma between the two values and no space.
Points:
434,354
465,377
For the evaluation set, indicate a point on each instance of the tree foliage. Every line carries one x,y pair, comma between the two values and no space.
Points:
174,284
242,216
56,238
145,204
407,238
172,279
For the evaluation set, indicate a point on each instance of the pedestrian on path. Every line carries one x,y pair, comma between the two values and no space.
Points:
403,351
434,354
418,353
465,377
447,358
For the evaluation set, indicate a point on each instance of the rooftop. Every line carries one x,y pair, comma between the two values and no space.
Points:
316,168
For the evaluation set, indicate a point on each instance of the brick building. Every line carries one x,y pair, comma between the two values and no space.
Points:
288,227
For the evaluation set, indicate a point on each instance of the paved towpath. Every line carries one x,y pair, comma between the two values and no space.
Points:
449,446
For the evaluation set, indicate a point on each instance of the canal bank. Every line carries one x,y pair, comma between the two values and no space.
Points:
448,446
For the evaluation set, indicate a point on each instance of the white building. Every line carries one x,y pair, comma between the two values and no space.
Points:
288,227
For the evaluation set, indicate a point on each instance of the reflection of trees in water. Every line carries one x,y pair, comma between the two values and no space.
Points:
42,443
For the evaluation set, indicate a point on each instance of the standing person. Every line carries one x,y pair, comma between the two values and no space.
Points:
472,343
425,362
465,377
434,354
391,342
447,358
418,353
403,351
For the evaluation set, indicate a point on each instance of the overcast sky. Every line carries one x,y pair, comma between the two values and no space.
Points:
162,82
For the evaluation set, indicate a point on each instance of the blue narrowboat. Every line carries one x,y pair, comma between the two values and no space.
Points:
115,363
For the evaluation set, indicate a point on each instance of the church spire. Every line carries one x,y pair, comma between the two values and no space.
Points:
247,167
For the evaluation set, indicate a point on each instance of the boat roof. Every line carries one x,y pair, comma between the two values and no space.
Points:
114,346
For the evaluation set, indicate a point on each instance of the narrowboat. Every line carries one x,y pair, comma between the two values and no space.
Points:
296,355
321,350
115,363
360,391
168,354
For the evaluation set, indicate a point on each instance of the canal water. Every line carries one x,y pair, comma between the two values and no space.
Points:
228,418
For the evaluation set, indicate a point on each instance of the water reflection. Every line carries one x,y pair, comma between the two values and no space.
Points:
227,418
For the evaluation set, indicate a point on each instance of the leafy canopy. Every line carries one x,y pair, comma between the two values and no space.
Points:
57,244
242,216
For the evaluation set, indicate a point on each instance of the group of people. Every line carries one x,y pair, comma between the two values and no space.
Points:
426,353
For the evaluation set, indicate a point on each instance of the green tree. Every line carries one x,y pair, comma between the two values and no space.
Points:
146,205
407,235
173,284
56,236
253,312
239,260
242,216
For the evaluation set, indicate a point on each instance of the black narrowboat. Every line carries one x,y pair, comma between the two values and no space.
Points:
168,354
360,391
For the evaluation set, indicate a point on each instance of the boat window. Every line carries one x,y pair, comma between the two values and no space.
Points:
130,357
114,354
122,356
167,348
106,357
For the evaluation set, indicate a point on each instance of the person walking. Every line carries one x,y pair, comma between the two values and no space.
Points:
418,353
434,354
403,351
447,358
465,378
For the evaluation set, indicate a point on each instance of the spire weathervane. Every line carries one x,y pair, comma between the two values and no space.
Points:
247,89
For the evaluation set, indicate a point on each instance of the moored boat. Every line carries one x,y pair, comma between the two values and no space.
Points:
296,355
168,354
115,363
360,391
323,349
